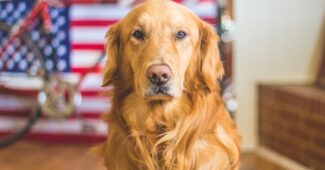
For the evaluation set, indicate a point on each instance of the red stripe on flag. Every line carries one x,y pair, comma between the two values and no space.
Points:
95,23
81,46
34,92
97,69
62,138
17,91
24,113
106,23
210,20
70,2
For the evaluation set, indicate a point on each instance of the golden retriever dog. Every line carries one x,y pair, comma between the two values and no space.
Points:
167,113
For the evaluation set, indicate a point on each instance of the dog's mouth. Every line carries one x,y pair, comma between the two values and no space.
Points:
159,92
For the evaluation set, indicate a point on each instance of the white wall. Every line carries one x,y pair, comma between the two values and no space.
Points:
277,41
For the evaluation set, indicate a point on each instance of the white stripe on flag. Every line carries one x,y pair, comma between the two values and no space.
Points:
88,35
62,126
84,58
97,11
92,81
10,102
205,10
96,104
113,12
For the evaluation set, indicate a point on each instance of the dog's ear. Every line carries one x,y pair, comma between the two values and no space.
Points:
112,46
211,68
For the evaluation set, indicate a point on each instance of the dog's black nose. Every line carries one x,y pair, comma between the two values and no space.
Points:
159,74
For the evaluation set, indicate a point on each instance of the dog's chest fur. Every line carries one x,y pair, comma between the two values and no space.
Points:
158,136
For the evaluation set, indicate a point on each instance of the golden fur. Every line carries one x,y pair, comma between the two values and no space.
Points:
188,129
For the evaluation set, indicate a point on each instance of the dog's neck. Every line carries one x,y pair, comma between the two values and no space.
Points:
159,117
152,116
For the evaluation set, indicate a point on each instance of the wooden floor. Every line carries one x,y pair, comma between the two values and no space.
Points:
40,156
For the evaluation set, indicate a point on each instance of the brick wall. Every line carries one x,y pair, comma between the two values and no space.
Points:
292,122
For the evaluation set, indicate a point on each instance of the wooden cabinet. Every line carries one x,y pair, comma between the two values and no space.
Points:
292,122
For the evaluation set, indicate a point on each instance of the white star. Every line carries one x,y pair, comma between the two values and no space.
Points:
10,64
21,6
23,50
49,64
54,13
35,35
55,42
48,50
61,50
11,50
62,65
3,14
61,35
22,64
17,57
61,21
9,7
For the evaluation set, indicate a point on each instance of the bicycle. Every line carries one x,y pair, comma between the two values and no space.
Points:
56,97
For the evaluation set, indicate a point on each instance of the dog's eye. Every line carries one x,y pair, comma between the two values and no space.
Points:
181,35
138,34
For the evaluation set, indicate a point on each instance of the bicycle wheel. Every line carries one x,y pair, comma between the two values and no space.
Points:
21,63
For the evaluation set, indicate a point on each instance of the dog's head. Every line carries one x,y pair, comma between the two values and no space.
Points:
161,49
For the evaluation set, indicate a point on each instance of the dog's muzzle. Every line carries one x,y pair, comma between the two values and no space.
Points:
159,76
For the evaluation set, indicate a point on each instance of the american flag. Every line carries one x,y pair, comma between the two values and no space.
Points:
78,38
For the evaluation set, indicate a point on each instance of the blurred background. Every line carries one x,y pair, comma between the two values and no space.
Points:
51,99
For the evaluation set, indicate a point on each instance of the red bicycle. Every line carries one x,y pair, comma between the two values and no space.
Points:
56,97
